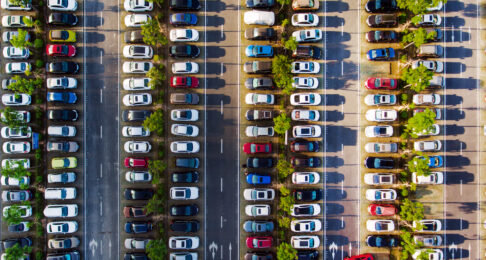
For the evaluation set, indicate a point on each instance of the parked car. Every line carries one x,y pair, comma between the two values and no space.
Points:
382,241
305,67
183,35
20,132
64,146
20,227
259,99
184,115
62,97
434,161
305,210
255,162
23,211
257,34
427,146
17,67
433,51
61,211
138,176
382,20
184,51
304,19
16,147
184,82
437,82
306,131
259,242
381,6
62,227
184,5
308,35
135,115
305,5
8,35
62,19
259,131
305,115
184,193
61,83
253,148
380,225
12,181
381,83
312,162
137,147
10,52
307,195
136,243
257,210
383,54
184,130
432,254
190,226
382,209
259,194
381,194
257,4
432,65
304,146
431,179
138,227
192,163
135,131
137,52
184,210
259,18
20,99
305,177
138,99
379,178
307,52
379,163
62,5
306,225
428,240
258,67
183,242
257,115
60,193
135,84
183,19
64,162
184,98
433,130
64,177
14,6
184,147
258,226
305,242
305,99
185,68
426,99
381,115
427,20
137,20
138,6
131,162
138,194
381,36
259,51
258,179
134,212
381,147
185,177
15,20
139,67
380,100
11,242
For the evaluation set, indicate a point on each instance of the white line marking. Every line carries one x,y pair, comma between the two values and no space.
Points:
342,149
470,32
101,57
342,68
342,108
221,225
342,187
84,136
222,107
101,18
101,96
222,31
460,34
101,171
342,252
221,251
342,222
342,29
205,122
221,183
101,132
460,188
239,137
460,224
101,206
222,69
221,145
460,148
462,111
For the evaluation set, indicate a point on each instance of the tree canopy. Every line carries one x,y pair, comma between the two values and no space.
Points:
19,40
24,85
281,70
152,33
11,118
417,79
419,165
418,37
420,123
285,251
282,123
418,6
156,75
157,249
155,122
16,252
284,167
411,211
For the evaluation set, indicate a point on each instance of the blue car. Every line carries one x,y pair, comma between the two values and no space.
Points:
259,51
183,19
435,161
381,54
256,179
62,97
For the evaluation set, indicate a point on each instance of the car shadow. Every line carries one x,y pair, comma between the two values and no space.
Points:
454,35
458,52
453,145
333,177
215,6
94,37
94,6
334,100
456,239
456,161
337,54
453,177
333,224
453,21
461,83
337,37
341,135
215,83
454,224
214,36
215,52
454,6
214,20
454,114
452,100
215,68
334,116
334,208
335,194
454,129
454,67
93,20
336,6
333,21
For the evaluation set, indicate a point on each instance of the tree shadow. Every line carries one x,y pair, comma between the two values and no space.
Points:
422,192
471,10
468,207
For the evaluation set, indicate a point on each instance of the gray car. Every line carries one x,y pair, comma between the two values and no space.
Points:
259,83
66,147
63,243
135,115
74,255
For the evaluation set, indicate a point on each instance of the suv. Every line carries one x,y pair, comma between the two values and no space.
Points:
184,51
133,37
185,226
184,5
260,34
135,115
60,193
184,99
262,67
61,131
62,115
67,147
307,51
192,163
433,51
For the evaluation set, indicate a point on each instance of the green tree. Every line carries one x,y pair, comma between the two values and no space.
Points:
16,170
419,165
281,70
290,43
22,3
156,75
286,252
11,118
284,167
408,244
157,249
418,6
417,37
16,252
13,214
38,43
411,211
19,40
417,79
152,33
284,222
420,123
157,2
156,168
156,204
286,201
282,123
155,122
24,85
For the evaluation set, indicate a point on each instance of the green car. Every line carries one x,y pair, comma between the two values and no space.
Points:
64,162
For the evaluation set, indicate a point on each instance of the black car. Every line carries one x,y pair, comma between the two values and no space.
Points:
62,19
379,163
382,241
16,228
135,256
138,227
62,67
62,115
133,37
184,5
184,210
307,51
381,6
138,194
382,20
259,83
254,162
304,146
307,255
381,36
184,51
260,3
24,241
258,34
135,115
73,255
307,194
185,177
312,162
192,163
258,256
185,226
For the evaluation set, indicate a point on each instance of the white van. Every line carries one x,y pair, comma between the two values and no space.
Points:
65,131
63,193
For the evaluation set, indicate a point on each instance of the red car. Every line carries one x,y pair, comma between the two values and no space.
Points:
184,82
360,257
381,83
131,162
259,242
251,148
382,209
60,50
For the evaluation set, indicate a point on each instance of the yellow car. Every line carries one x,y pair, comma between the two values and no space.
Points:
62,36
64,162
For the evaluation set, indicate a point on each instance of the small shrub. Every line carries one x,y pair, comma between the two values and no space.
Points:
161,152
38,254
38,43
402,18
404,192
38,179
156,58
403,114
41,3
39,64
403,58
39,100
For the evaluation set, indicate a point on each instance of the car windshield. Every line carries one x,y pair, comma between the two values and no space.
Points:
377,4
311,3
188,33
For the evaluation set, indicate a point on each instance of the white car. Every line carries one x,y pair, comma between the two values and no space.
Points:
184,35
65,177
305,115
14,163
135,131
436,8
136,243
10,52
305,99
185,67
259,99
20,99
432,178
306,131
303,67
25,211
61,211
184,130
381,147
433,130
257,131
137,147
61,131
430,20
138,52
62,83
433,254
62,227
8,35
305,177
379,178
184,193
183,242
305,225
15,20
432,65
381,194
136,20
11,6
305,242
17,67
8,132
11,181
380,100
428,225
183,256
259,194
380,225
62,193
62,5
184,115
310,35
184,147
139,99
426,99
259,18
428,146
381,115
138,176
257,210
305,19
138,6
16,147
305,82
305,210
137,66
133,84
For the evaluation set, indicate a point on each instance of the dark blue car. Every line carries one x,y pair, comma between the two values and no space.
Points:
183,19
257,179
382,241
259,51
383,54
62,97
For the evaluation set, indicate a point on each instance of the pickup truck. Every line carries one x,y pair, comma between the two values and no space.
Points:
262,67
252,115
184,99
